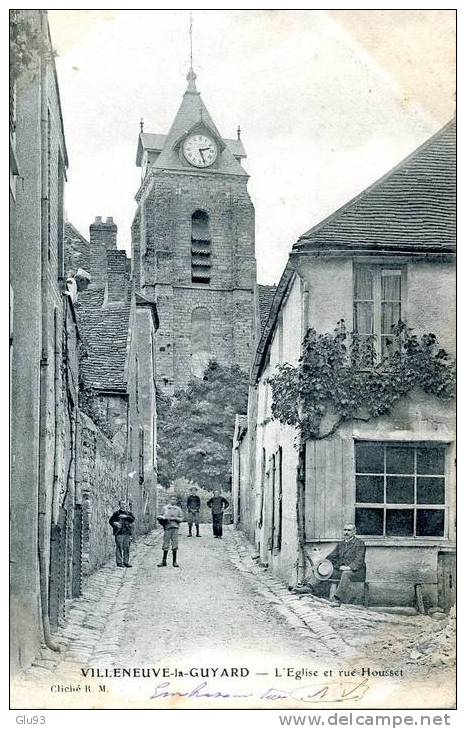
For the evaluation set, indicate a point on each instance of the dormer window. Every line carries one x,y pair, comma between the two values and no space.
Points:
201,248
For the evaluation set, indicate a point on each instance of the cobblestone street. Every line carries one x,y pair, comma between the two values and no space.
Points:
222,610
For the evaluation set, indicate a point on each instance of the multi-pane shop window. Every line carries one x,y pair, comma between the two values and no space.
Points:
400,489
377,304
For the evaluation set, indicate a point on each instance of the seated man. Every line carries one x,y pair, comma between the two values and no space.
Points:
348,559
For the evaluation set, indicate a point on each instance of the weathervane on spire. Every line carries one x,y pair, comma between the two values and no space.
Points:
191,41
191,77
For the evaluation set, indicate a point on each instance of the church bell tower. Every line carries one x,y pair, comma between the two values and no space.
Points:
193,244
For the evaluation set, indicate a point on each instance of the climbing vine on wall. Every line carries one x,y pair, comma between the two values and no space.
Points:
338,378
27,45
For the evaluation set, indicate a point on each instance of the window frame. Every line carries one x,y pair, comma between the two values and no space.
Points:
412,505
377,269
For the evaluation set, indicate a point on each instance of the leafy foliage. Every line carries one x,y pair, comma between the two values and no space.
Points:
338,378
195,428
27,45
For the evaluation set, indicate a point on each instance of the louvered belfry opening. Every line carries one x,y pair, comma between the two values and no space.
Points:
201,248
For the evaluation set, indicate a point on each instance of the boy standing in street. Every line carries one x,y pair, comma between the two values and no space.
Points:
121,522
218,504
171,518
193,506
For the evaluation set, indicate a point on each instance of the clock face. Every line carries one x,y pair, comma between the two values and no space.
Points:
199,150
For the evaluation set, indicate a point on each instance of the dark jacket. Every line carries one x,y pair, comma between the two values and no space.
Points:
352,554
121,522
218,504
193,503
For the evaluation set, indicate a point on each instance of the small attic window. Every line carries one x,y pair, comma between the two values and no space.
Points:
201,248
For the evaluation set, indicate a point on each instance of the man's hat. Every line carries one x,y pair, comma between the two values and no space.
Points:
324,570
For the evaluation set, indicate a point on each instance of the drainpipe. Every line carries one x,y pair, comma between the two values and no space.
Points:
56,370
305,309
42,491
300,512
301,472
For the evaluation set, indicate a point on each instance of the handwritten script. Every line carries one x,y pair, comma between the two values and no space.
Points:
314,693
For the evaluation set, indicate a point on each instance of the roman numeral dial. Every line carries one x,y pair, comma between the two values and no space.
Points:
200,150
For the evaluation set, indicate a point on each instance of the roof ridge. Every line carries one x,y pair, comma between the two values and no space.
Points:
393,170
76,231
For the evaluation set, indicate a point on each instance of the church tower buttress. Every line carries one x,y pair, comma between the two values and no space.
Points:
193,244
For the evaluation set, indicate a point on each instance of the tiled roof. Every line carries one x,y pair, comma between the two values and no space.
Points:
192,112
92,297
155,143
411,207
265,296
77,249
236,147
105,332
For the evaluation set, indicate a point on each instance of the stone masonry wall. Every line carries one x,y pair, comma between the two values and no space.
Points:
102,474
165,255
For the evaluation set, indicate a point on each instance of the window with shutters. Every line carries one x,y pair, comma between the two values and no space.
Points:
400,489
377,304
201,248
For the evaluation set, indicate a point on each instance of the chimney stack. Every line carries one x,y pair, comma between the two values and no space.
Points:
104,233
103,238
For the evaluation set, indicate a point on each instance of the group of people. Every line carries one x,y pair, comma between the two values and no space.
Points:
346,563
170,519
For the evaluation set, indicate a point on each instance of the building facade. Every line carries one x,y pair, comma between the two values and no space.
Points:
386,255
117,392
193,244
43,355
67,469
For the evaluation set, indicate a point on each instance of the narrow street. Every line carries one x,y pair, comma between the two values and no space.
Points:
220,610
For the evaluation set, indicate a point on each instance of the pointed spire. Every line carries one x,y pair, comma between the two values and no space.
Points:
191,77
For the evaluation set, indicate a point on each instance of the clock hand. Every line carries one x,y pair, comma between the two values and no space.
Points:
203,158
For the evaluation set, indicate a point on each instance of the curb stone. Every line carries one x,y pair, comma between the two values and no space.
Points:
303,618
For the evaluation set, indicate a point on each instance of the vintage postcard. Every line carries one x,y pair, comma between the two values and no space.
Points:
232,359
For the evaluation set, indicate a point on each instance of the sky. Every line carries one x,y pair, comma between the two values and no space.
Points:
327,101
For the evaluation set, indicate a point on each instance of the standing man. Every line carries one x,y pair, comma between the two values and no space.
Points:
193,506
218,504
170,519
348,559
121,522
